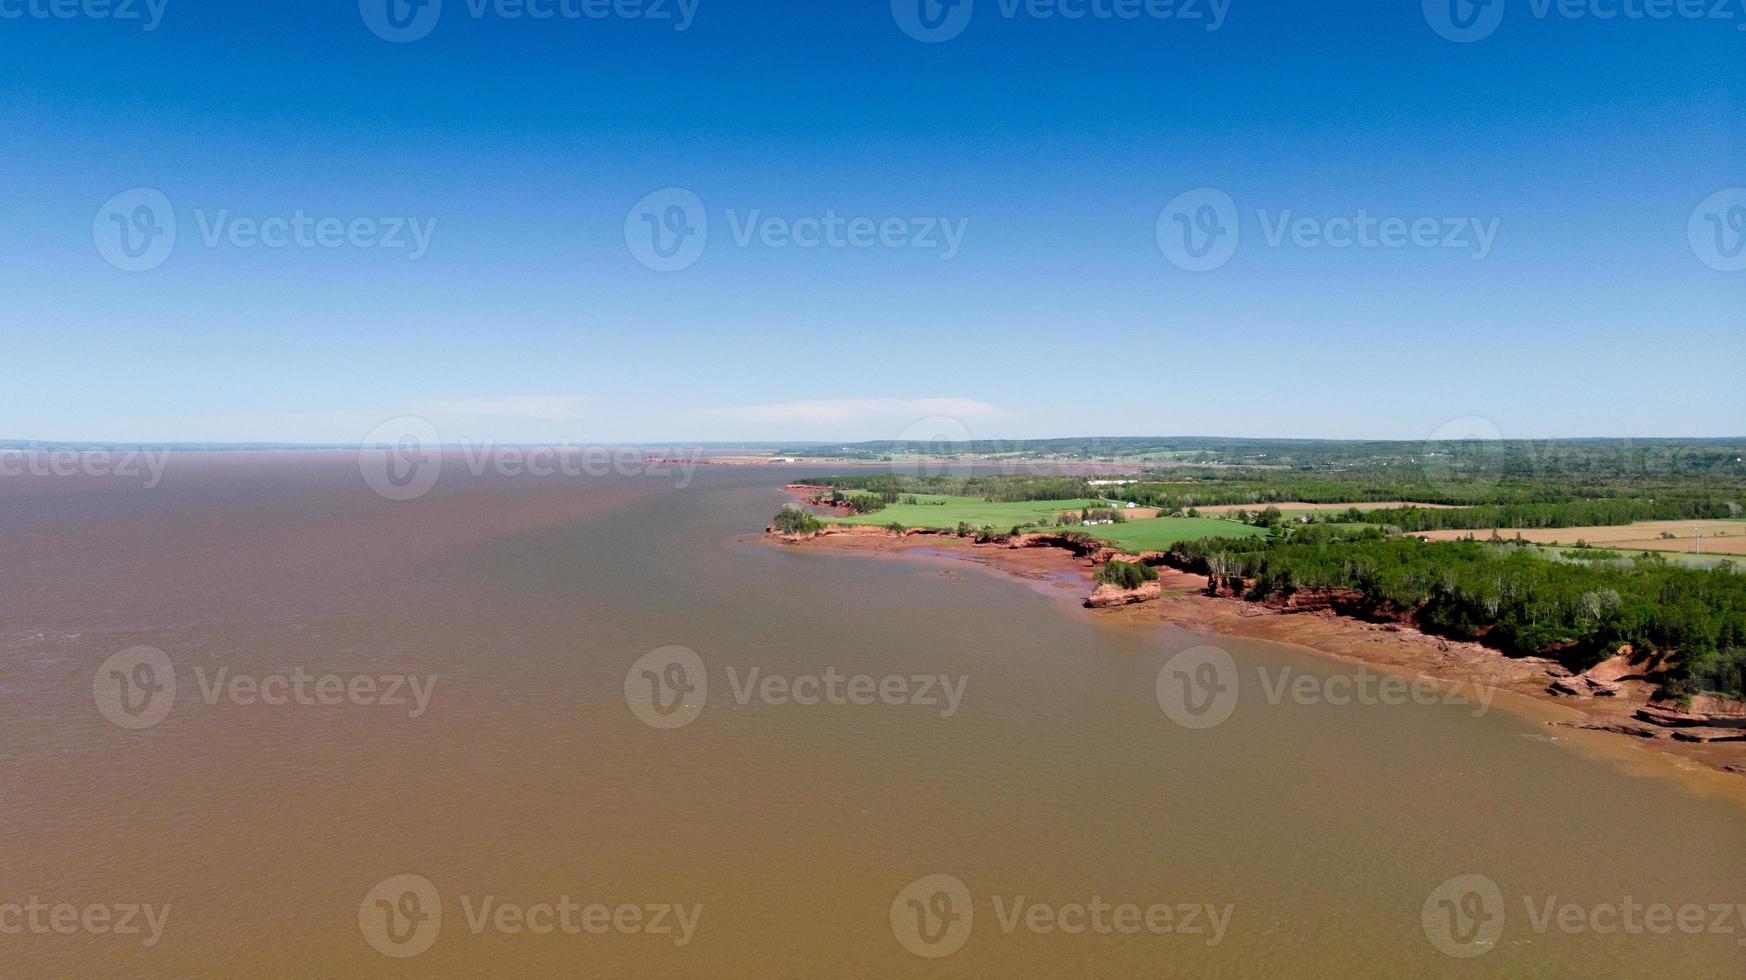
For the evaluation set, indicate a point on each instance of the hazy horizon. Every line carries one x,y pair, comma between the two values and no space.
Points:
538,419
974,445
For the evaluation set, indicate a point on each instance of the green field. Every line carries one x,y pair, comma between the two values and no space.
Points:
937,511
1162,532
948,512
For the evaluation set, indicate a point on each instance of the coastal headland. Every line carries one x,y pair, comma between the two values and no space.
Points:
1615,696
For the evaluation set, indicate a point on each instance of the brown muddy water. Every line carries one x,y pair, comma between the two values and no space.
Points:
1036,814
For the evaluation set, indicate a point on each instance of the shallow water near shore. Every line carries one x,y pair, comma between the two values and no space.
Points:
1317,833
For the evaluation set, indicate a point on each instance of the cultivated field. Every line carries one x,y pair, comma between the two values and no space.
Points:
1137,533
934,510
1160,533
1718,537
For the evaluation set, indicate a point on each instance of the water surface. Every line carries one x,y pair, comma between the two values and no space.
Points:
1323,829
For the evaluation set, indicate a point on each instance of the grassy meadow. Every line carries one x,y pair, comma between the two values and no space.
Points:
947,512
940,511
1159,533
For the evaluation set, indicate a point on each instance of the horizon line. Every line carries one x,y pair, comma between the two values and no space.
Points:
193,445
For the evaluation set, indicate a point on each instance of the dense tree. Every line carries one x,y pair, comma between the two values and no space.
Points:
1508,597
1125,575
793,520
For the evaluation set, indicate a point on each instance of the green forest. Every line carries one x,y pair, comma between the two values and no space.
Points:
1510,597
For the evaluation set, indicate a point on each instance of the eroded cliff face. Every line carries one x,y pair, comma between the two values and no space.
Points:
1617,695
1095,551
1105,596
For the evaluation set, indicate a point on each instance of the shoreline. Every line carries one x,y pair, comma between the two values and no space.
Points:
1596,725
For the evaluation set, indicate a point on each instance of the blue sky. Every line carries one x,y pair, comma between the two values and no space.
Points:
1582,150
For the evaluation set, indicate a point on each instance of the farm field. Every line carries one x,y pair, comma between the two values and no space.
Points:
1162,532
1137,533
1719,537
935,510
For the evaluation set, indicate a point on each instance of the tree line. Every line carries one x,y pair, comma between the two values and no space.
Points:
1510,599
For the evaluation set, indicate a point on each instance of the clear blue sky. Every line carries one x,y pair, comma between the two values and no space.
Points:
1585,144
